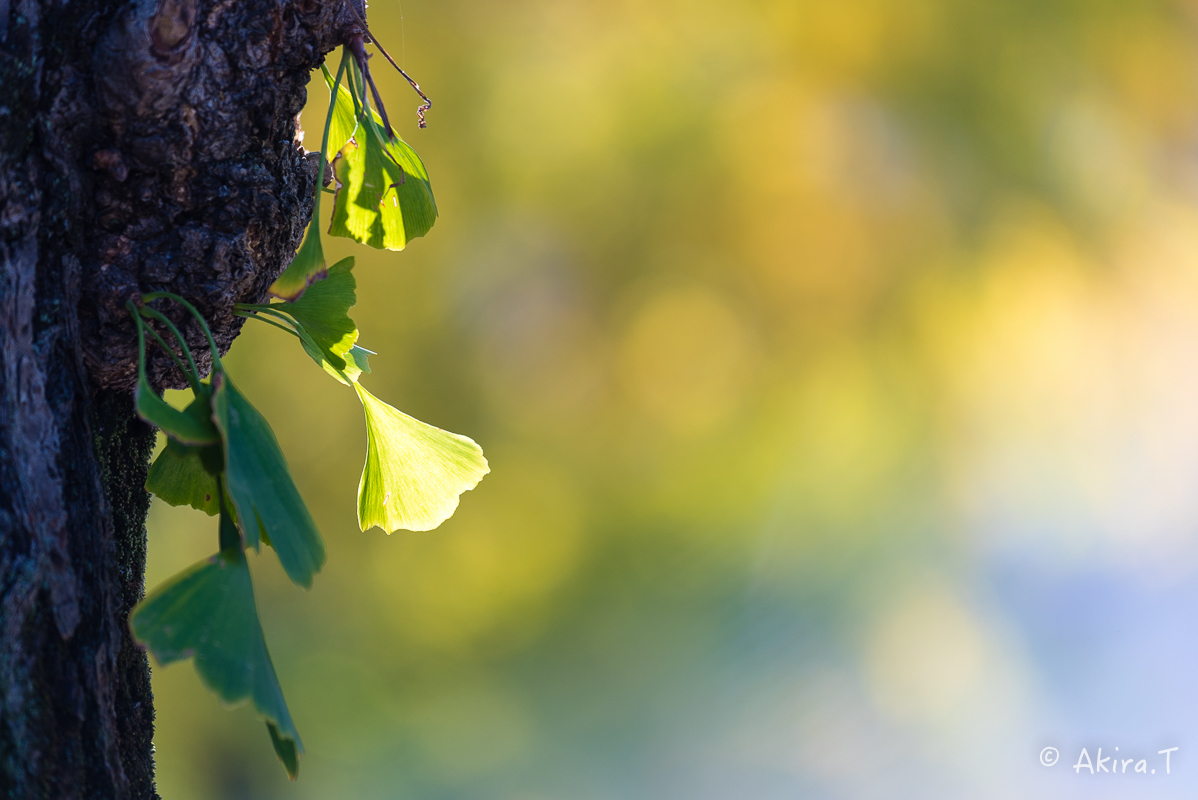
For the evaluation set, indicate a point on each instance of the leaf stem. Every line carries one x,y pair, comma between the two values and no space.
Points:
230,539
278,315
141,340
267,320
146,298
328,122
370,36
355,91
427,103
324,142
191,380
193,377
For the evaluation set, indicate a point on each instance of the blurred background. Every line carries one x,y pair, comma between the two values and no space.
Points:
837,365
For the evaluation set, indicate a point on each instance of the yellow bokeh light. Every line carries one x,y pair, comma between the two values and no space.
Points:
686,359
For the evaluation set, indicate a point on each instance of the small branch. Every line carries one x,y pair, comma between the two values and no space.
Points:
427,103
357,39
357,46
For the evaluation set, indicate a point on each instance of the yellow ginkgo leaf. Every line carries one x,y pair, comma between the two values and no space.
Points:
414,472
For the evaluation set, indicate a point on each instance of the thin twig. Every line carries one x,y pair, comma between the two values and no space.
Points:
427,103
378,101
374,40
356,46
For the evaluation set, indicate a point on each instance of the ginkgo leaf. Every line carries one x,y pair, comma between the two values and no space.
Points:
344,120
345,369
414,472
356,362
261,488
320,320
274,315
193,425
323,310
323,313
383,197
306,268
178,477
207,612
321,355
285,749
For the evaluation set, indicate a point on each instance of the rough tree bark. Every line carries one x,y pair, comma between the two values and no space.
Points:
144,145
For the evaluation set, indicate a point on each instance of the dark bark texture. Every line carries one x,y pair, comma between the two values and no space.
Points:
145,145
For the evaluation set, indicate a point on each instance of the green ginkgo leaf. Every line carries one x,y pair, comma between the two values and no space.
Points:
383,196
261,488
323,310
357,361
323,314
306,268
343,121
345,369
320,320
178,477
193,425
414,472
318,353
207,612
285,749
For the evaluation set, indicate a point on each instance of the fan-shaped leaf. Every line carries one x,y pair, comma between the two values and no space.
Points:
178,477
260,485
285,749
193,425
207,612
414,472
383,194
344,120
357,361
324,325
323,310
306,268
321,355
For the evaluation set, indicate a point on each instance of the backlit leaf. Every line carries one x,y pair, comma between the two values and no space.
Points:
260,485
414,472
285,749
321,355
323,310
178,477
344,121
356,362
306,268
207,612
323,314
383,197
190,426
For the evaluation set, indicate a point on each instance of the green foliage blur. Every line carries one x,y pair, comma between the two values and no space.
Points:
767,314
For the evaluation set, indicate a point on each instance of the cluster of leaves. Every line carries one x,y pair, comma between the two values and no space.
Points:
222,458
382,197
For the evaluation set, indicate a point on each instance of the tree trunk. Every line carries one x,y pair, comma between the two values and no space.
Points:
146,145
